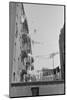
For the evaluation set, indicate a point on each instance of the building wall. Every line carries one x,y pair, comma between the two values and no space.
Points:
21,44
12,15
46,89
62,50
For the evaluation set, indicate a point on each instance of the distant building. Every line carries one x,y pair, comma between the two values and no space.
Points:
47,72
62,50
51,74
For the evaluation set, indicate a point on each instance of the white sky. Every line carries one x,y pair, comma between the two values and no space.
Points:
47,20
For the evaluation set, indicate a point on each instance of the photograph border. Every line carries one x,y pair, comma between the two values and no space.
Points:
38,83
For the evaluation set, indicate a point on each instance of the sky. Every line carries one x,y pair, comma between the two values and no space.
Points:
47,20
